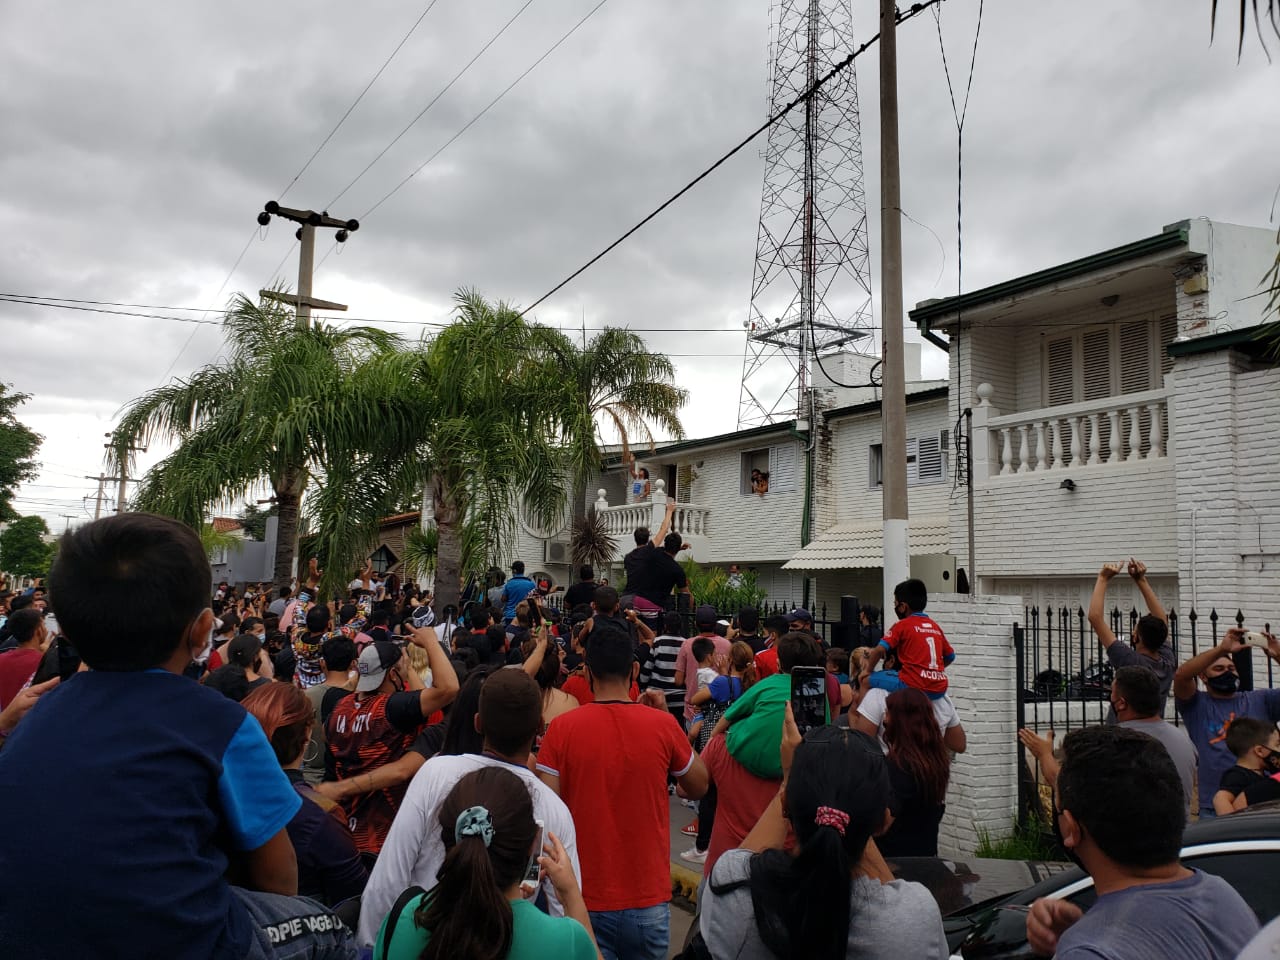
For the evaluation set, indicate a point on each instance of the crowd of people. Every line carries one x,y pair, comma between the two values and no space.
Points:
265,773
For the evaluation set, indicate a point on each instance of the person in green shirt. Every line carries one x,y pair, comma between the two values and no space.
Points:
478,908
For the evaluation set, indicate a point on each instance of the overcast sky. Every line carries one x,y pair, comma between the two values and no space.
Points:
142,139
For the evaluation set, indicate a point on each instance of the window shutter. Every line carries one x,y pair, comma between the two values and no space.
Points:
929,466
1061,380
1135,356
875,465
913,461
1095,355
782,468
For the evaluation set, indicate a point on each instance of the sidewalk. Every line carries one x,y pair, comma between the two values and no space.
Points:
685,876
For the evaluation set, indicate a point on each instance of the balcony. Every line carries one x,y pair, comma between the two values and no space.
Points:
693,522
1126,429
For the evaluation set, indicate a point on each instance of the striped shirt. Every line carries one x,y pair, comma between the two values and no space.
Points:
660,670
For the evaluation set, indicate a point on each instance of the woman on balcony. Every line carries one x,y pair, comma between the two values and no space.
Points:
640,490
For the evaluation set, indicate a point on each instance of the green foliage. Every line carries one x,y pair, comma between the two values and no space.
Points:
1023,843
590,541
254,520
711,585
213,541
18,446
22,551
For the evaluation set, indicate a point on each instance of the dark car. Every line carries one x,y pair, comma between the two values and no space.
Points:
1243,849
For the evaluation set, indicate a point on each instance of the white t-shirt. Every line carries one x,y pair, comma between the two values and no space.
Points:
873,705
706,676
414,849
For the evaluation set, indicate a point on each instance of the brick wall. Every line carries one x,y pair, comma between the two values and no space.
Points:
984,791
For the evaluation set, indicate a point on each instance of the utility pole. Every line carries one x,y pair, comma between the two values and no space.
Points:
307,221
97,510
122,493
897,558
69,517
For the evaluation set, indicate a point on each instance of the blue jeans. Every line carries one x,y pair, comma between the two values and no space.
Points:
642,933
295,928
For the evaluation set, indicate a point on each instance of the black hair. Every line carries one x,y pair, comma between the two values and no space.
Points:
1245,733
318,619
798,650
802,901
1152,632
284,593
1140,689
642,536
518,568
701,648
748,619
379,618
338,652
272,622
460,735
585,572
230,681
1124,791
913,593
495,638
21,602
347,612
672,543
478,618
228,624
673,624
467,915
24,624
248,623
610,655
108,570
548,674
605,599
244,651
776,624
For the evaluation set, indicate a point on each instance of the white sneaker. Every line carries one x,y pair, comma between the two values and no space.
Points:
694,855
691,804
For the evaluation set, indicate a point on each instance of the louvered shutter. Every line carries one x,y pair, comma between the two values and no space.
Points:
929,468
782,468
1135,356
1095,357
1060,384
913,461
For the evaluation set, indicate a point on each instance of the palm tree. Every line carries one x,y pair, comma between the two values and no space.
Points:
470,416
280,409
612,379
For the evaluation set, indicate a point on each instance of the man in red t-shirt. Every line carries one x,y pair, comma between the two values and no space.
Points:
922,649
767,659
625,834
378,723
17,666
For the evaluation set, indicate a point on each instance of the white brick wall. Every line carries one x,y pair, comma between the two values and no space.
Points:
982,683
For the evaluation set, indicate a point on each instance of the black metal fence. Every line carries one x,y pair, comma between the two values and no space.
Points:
1064,678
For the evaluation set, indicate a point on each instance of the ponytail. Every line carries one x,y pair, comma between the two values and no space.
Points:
488,831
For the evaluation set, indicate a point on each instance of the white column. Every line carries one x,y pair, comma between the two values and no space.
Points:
1095,440
1135,434
1056,426
658,508
1006,456
1077,442
1117,442
1024,449
985,447
1157,431
602,501
1042,445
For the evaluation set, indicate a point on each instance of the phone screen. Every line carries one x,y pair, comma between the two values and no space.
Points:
808,697
533,871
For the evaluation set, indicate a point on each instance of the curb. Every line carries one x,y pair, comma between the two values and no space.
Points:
684,886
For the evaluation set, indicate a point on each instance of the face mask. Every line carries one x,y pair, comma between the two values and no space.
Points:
1271,762
1224,683
1057,835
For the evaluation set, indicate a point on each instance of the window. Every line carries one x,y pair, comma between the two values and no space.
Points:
777,465
926,461
382,560
1120,358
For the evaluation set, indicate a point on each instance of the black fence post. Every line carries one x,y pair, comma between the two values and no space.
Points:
1244,659
1026,785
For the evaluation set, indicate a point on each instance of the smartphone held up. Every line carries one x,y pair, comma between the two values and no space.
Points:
809,697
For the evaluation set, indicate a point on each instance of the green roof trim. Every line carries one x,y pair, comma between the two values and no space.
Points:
1165,240
935,393
1250,340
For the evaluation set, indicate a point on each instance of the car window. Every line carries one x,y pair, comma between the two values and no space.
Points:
1084,899
1253,875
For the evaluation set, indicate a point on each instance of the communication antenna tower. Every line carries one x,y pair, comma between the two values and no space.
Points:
811,293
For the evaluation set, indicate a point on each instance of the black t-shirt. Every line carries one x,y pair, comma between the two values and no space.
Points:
581,592
1238,778
753,640
635,564
1263,789
429,740
915,826
660,575
404,710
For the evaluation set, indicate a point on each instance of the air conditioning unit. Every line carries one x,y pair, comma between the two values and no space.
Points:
557,551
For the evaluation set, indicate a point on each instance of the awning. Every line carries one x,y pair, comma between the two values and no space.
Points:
848,546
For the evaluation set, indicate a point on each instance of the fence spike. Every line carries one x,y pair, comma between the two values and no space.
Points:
1239,618
1193,616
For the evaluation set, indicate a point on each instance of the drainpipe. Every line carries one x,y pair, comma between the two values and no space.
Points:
806,516
937,341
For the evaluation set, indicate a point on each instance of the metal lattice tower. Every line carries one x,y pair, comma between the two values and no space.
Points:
811,293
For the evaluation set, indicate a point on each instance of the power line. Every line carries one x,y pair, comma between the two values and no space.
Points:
354,103
552,49
430,104
834,71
